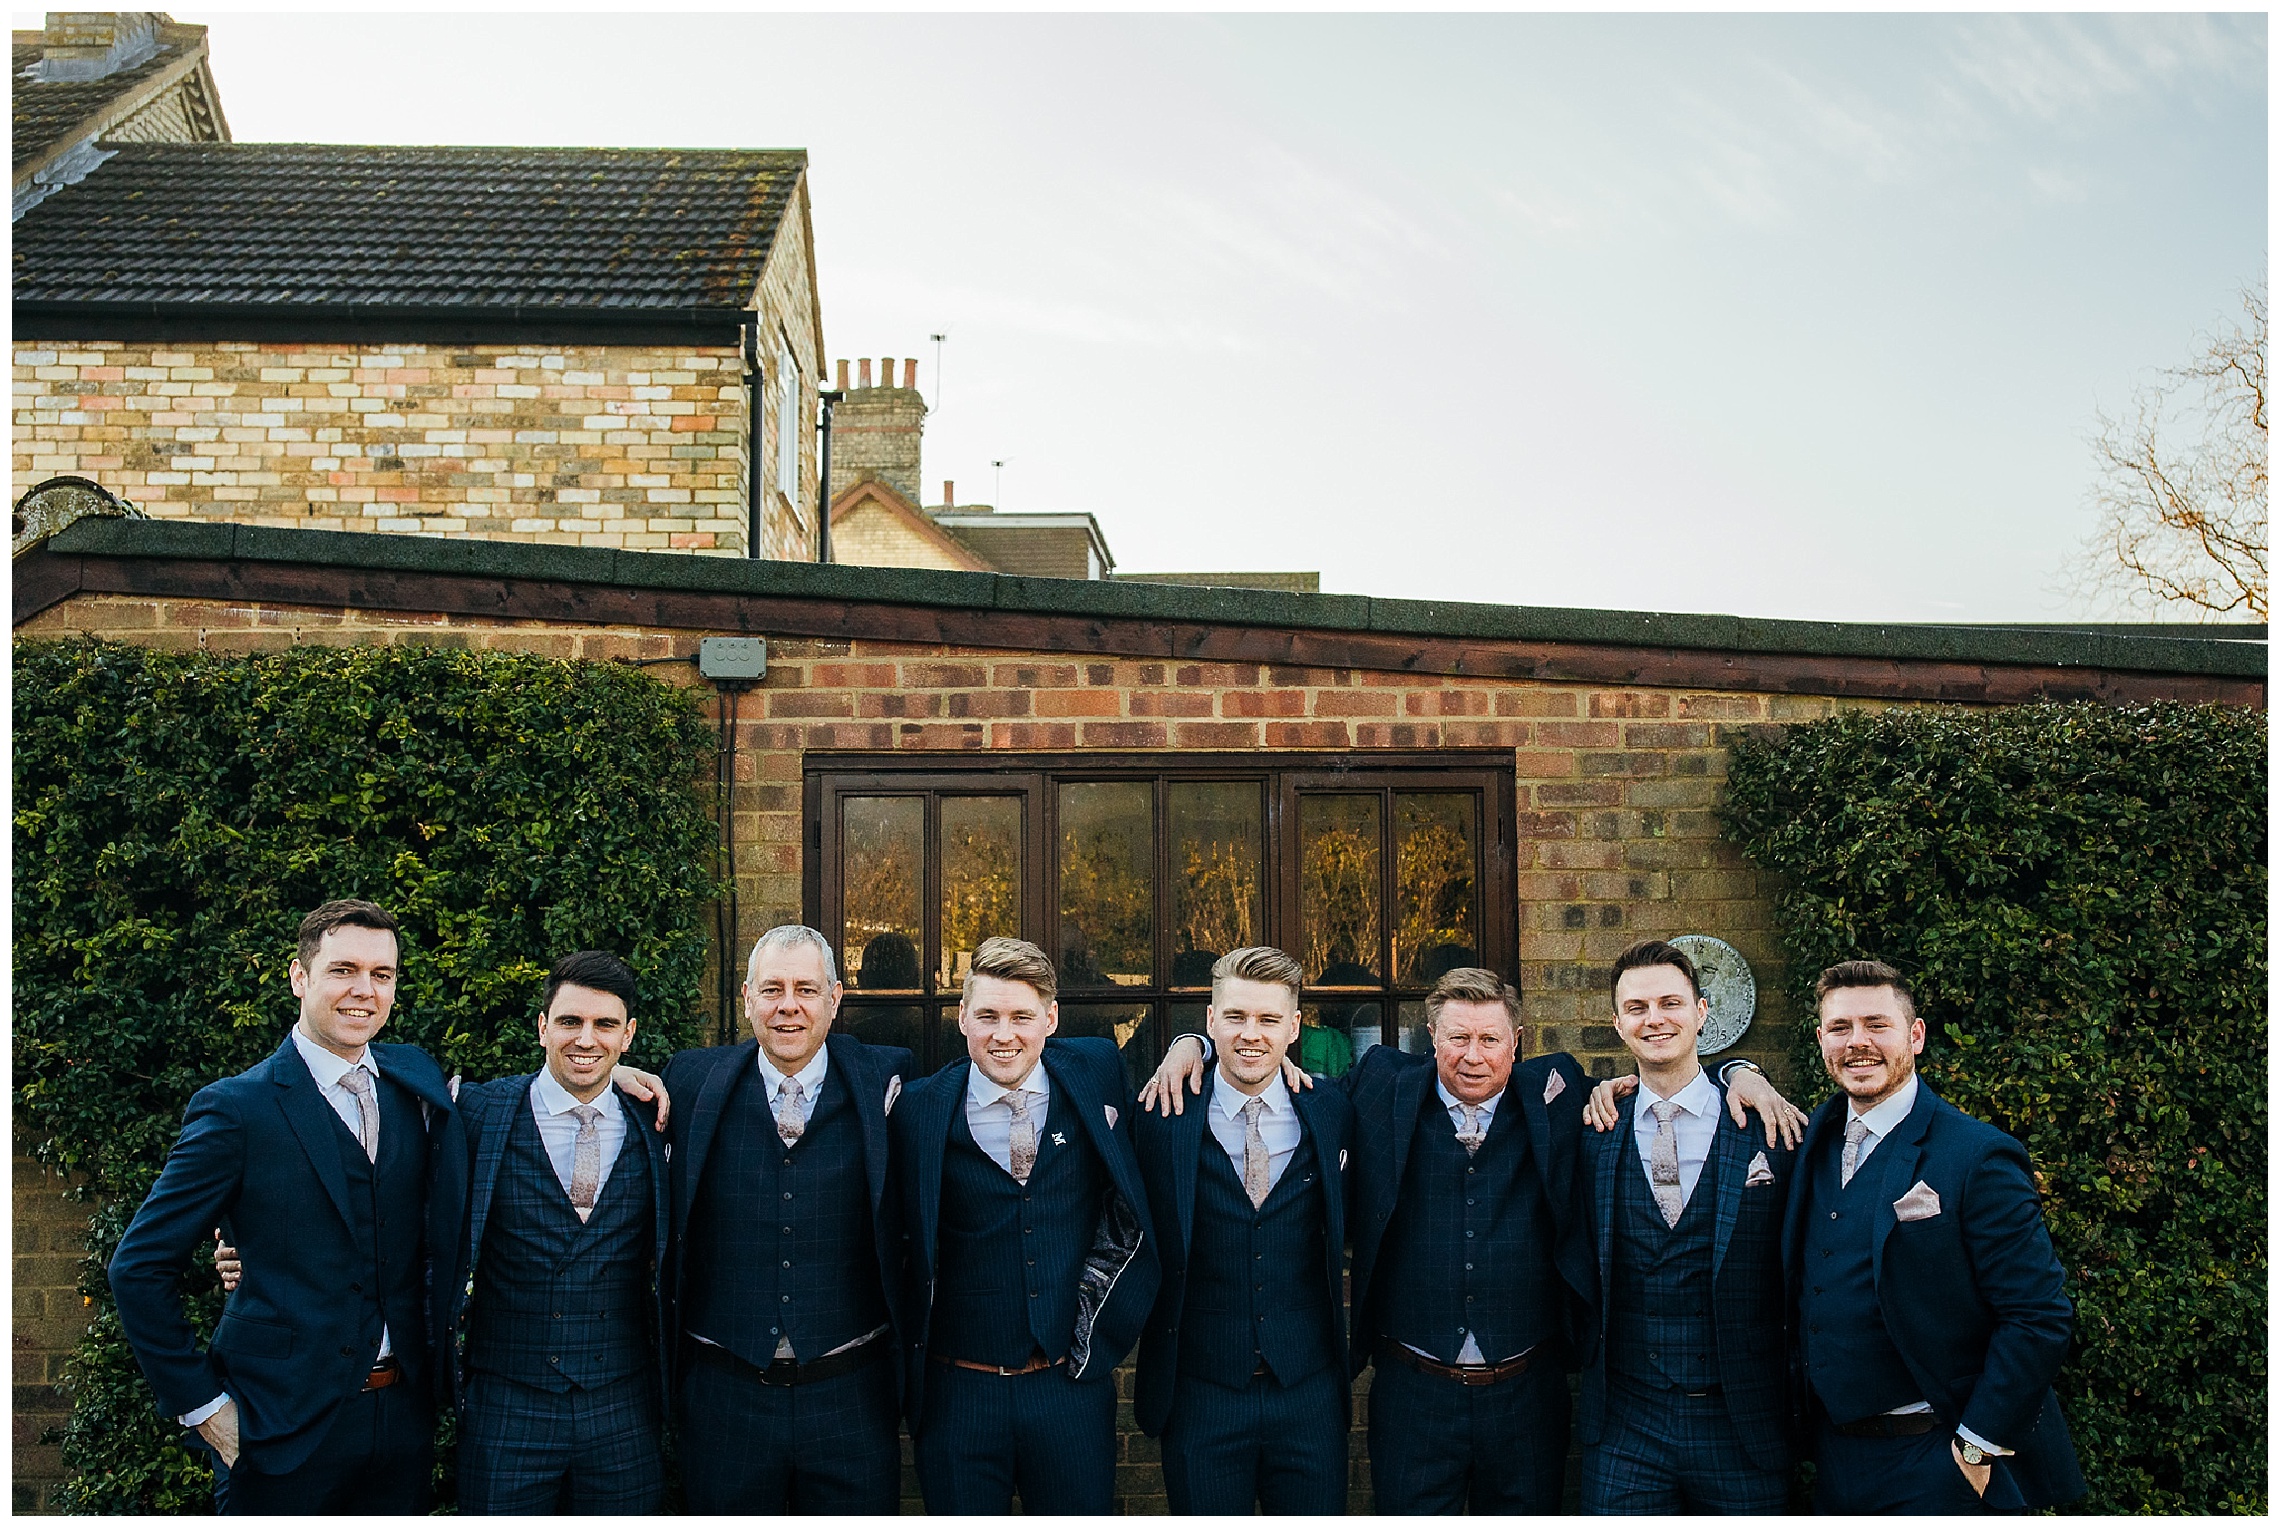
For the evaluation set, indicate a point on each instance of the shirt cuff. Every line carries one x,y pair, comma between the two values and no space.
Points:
193,1418
1204,1041
1972,1438
1726,1069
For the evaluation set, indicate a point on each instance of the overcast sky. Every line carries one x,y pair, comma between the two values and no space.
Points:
1789,315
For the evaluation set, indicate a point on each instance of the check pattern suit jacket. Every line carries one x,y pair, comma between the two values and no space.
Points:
1390,1090
259,1155
1748,1285
1973,1297
1170,1156
486,1119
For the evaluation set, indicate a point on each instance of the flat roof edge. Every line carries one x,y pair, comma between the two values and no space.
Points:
1439,620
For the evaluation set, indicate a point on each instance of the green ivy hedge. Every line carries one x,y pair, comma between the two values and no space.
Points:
178,813
2078,895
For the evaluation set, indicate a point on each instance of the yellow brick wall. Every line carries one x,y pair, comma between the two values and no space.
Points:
870,536
622,447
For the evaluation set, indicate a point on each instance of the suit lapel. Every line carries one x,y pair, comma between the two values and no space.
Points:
933,1135
1806,1168
1539,1117
1729,1152
1310,1109
1410,1084
313,1123
1895,1161
1189,1129
494,1122
848,1055
1093,1120
1611,1150
712,1099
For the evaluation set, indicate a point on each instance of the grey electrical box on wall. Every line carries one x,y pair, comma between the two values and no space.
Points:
733,657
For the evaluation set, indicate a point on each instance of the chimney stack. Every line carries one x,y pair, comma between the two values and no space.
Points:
949,494
876,429
910,373
843,375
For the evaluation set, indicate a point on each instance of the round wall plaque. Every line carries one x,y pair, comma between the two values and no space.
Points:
1727,983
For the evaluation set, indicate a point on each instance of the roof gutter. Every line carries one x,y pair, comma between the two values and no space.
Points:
381,323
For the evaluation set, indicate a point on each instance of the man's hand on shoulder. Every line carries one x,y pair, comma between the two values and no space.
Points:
633,1082
1784,1122
1183,1063
1599,1110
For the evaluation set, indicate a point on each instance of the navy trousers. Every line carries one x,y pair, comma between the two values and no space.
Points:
525,1451
1437,1446
984,1438
1665,1452
1902,1477
1279,1449
829,1447
377,1457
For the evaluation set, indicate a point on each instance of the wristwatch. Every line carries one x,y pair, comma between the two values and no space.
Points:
1973,1454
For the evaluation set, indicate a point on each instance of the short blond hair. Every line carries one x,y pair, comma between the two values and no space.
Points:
1257,963
1012,960
1471,984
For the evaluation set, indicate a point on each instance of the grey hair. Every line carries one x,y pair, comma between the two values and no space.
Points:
786,936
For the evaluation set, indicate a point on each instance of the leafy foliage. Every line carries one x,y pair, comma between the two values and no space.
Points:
2077,894
177,814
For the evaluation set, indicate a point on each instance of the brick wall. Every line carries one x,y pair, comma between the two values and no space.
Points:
49,1316
619,446
1614,792
870,535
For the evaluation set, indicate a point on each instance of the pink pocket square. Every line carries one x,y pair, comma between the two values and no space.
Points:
1110,1111
1554,1086
1761,1171
894,1091
1919,1203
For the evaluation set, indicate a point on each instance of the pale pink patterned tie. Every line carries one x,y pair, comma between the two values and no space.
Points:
586,1161
358,1081
1021,1141
1856,1131
1662,1164
1257,1163
1470,1134
791,1123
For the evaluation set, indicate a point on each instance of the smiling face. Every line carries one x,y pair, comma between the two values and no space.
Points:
1474,1046
1659,1015
790,1000
1005,1023
584,1032
347,988
1869,1042
1251,1025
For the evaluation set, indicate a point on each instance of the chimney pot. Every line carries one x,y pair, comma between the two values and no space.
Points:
886,372
949,493
863,372
910,372
843,375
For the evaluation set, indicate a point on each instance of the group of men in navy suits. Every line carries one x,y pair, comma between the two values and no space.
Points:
817,1246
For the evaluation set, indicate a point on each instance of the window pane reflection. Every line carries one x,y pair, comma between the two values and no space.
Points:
1108,884
1338,889
880,880
1125,1023
981,878
1331,1035
899,1025
1217,849
1416,1038
1437,926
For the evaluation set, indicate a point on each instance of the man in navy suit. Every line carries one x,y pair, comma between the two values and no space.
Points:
553,1325
1243,1364
788,1245
1030,1258
1685,1395
1931,1309
313,1395
1471,1275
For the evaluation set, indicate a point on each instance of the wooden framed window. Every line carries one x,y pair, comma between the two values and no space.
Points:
1136,872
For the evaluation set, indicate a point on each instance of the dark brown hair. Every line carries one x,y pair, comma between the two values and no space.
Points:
1653,952
596,969
346,913
1471,984
1865,973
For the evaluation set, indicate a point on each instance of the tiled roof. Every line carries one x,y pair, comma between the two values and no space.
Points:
289,225
44,113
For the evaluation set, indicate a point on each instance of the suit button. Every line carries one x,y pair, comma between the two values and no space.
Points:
1468,1267
1825,1252
1033,1294
359,1288
787,1193
558,1315
787,1230
1029,1230
1032,1263
344,1352
1832,1214
787,1262
787,1299
1468,1236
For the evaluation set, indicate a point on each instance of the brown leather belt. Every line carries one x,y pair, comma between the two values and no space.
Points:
1463,1374
384,1373
1037,1361
786,1371
1908,1424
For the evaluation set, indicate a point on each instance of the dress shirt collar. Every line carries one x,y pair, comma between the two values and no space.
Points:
1450,1100
326,1067
1699,1098
981,1092
553,1098
1886,1116
809,1077
1229,1100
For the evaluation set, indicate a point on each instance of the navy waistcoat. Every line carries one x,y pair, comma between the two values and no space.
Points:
390,1203
560,1302
1849,1356
780,1240
1009,1255
1254,1276
1470,1246
1662,1330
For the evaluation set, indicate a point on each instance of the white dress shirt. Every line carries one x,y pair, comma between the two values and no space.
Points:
1470,1353
1278,1123
1694,1123
809,1077
550,1105
990,1117
328,1069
